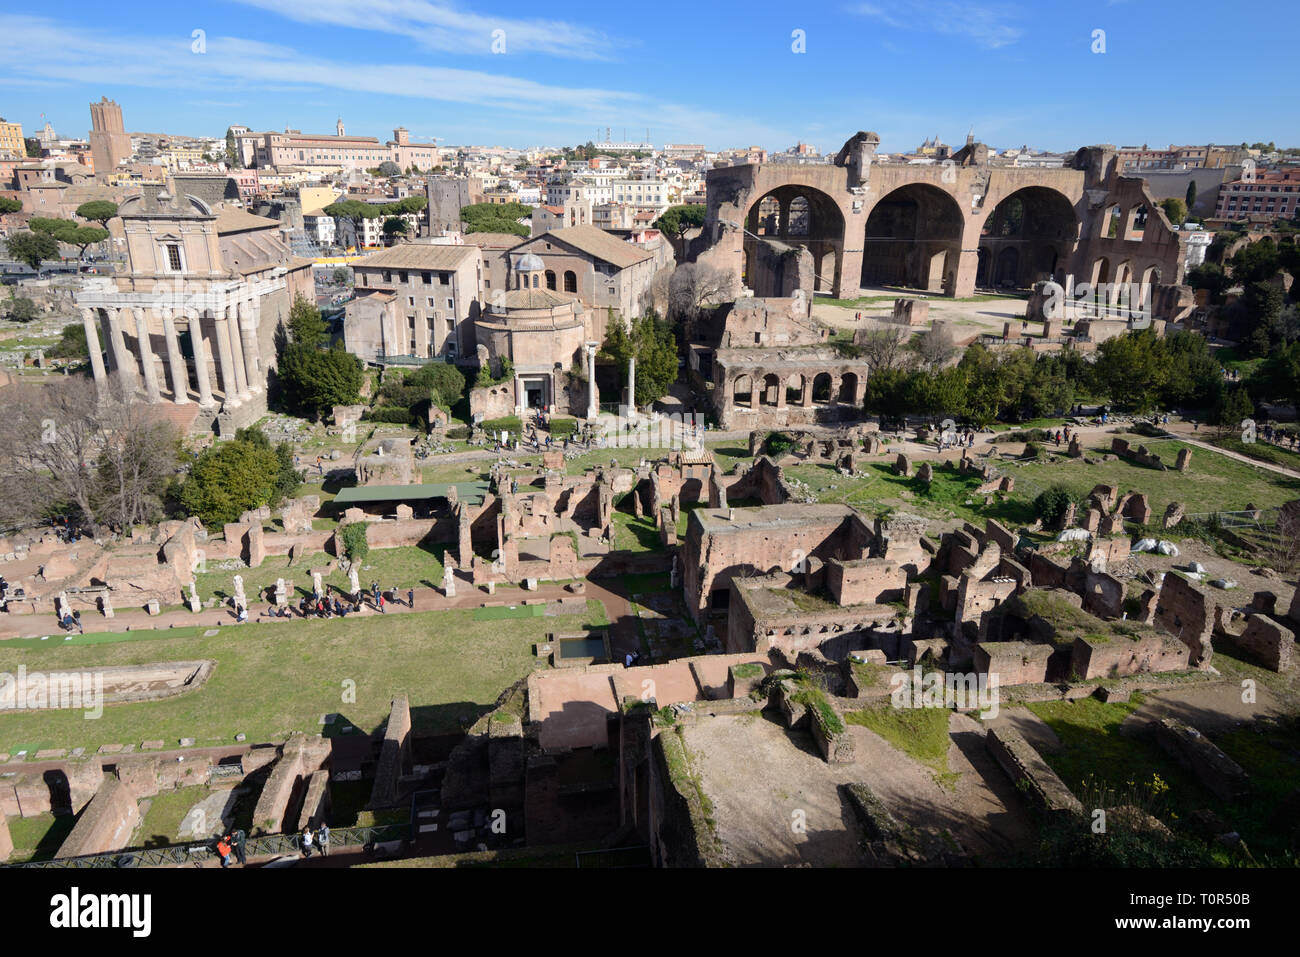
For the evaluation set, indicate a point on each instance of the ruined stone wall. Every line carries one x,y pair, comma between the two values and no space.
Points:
106,824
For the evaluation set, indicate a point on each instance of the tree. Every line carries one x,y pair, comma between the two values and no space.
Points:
8,205
693,285
1190,197
1129,369
653,344
1255,262
71,344
1209,276
33,147
1232,407
1051,504
880,349
65,450
232,150
389,168
355,545
98,211
230,479
288,478
316,380
395,227
306,325
354,212
496,218
935,347
1175,209
33,248
67,231
676,220
21,309
1278,376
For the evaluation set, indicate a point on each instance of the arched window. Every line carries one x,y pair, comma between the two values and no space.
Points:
534,280
550,279
570,281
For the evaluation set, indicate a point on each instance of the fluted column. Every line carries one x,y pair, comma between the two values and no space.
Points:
200,360
96,352
631,387
593,406
228,385
146,357
180,376
236,353
123,361
248,335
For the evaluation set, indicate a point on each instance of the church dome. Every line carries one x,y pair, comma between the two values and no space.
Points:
530,262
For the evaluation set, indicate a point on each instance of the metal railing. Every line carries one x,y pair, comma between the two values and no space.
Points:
199,852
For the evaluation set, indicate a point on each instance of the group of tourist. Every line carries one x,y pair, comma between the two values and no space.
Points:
335,603
233,844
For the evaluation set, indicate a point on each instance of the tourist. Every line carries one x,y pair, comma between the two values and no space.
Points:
223,850
306,841
241,614
323,839
379,603
67,623
410,598
76,616
239,838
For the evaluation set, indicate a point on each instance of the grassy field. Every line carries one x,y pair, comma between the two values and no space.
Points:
405,567
272,679
920,733
39,837
1215,482
1261,450
1097,757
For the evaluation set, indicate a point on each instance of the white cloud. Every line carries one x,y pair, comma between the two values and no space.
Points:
36,50
990,25
443,27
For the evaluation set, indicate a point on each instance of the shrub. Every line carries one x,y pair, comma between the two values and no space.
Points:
1051,504
778,444
355,545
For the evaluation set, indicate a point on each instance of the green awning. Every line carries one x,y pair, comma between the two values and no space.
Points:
472,493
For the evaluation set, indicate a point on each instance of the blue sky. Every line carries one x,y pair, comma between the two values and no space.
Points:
720,73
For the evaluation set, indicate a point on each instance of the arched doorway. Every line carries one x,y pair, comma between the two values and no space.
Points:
797,216
849,388
742,391
821,387
1024,238
794,389
913,240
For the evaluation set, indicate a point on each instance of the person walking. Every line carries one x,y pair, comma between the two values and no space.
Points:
239,840
410,598
323,839
305,843
379,603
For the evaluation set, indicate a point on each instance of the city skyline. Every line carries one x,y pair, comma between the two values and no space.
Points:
430,67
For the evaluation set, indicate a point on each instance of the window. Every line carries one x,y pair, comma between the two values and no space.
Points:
410,300
444,278
426,278
174,262
401,276
451,304
429,300
388,275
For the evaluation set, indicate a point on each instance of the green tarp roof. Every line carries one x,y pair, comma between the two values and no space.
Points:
472,493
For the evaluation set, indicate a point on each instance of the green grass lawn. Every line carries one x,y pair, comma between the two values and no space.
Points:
1096,756
272,679
161,823
404,567
38,838
1215,482
1261,450
920,733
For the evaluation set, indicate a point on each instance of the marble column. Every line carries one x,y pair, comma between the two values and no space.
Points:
146,357
631,387
224,360
237,353
96,353
180,375
123,361
248,335
593,406
200,360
